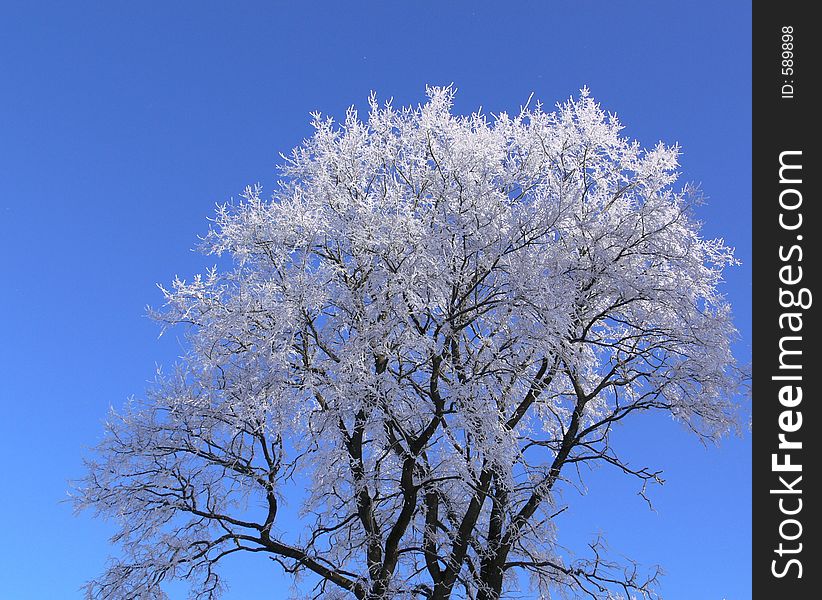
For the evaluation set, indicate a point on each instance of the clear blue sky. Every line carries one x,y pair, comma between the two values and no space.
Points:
123,123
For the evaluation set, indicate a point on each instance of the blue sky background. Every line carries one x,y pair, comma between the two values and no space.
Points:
122,124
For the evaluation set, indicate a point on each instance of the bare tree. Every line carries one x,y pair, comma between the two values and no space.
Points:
430,325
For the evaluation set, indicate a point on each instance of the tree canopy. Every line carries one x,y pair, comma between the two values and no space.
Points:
423,333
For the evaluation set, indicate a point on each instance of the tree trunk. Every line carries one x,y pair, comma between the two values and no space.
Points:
492,576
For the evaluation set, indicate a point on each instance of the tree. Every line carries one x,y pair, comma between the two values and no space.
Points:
429,327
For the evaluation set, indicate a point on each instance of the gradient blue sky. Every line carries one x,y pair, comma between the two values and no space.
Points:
122,124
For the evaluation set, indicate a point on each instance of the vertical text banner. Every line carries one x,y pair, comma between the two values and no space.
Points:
786,232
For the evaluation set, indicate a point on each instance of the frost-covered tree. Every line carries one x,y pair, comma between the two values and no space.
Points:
429,327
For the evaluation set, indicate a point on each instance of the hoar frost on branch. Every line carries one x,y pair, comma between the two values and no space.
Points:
434,322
